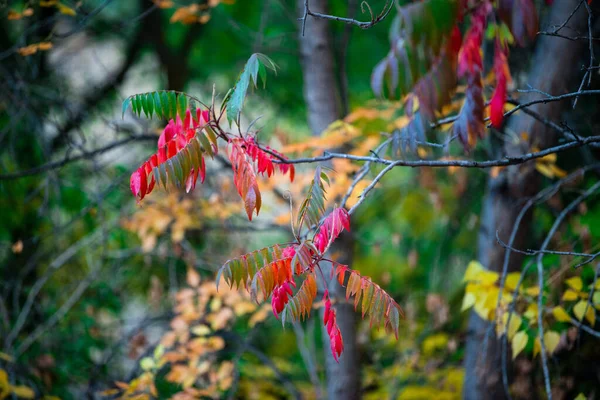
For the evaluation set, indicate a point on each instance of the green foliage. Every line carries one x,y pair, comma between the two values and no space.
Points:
257,65
164,104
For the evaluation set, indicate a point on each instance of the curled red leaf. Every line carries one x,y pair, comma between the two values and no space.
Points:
333,330
331,228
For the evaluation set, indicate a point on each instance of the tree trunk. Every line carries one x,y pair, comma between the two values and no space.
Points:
322,97
554,63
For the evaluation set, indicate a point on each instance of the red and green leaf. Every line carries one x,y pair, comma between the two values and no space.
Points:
298,307
331,228
313,206
240,271
374,301
244,177
180,156
271,276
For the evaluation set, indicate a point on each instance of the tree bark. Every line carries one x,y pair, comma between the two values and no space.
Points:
322,97
555,62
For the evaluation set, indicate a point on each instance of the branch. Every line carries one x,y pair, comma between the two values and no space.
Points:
501,162
68,158
350,21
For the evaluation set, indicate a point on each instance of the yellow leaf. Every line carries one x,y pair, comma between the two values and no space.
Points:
472,271
65,10
6,357
580,396
4,385
519,342
570,295
468,301
192,278
514,325
13,15
487,277
481,307
551,340
560,314
435,342
532,312
147,363
558,172
23,392
575,283
532,291
512,280
544,169
44,46
200,330
581,308
595,300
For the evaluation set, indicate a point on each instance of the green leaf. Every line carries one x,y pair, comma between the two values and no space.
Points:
150,104
235,100
313,206
125,106
181,106
164,104
172,105
157,104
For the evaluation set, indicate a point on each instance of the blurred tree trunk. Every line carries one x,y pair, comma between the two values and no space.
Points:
322,96
555,63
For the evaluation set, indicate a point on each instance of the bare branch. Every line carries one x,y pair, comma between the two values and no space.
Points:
375,19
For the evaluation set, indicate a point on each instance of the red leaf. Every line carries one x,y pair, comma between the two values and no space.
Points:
502,78
244,176
264,160
175,137
331,228
333,330
469,57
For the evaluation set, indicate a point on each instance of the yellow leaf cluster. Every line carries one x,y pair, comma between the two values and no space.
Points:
191,345
62,8
168,212
337,134
444,384
482,291
15,15
33,48
194,13
435,342
547,166
7,390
